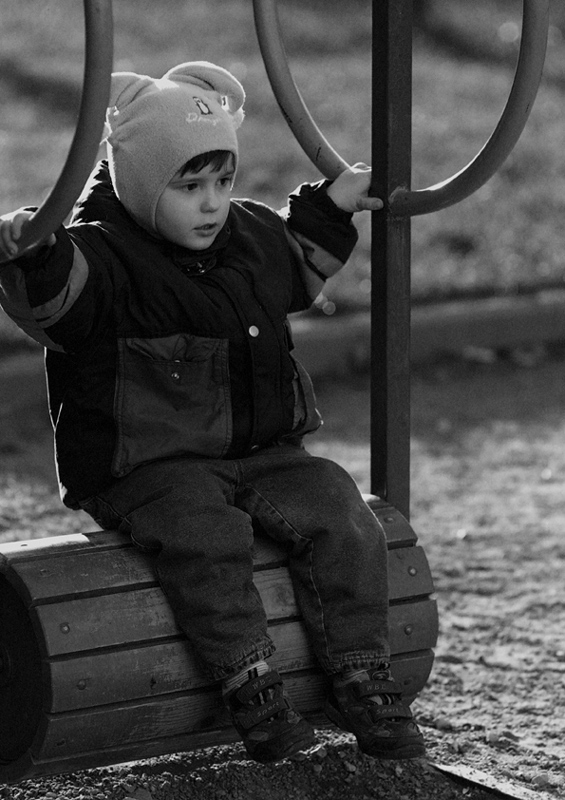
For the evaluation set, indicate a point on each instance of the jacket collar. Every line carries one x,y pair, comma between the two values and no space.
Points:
197,262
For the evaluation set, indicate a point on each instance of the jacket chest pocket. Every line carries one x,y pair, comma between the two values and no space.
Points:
172,399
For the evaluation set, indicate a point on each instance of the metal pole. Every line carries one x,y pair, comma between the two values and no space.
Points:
391,160
390,253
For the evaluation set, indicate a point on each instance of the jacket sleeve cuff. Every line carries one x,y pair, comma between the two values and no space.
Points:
313,214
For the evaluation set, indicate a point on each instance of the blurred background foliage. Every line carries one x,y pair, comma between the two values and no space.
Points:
506,238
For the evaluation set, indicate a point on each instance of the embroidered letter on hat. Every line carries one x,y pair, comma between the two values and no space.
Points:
204,109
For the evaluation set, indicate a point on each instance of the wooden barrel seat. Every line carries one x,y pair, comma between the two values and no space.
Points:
94,670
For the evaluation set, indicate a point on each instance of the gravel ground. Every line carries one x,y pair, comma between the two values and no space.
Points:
335,767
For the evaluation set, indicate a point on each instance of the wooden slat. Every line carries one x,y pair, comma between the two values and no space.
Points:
408,573
413,626
55,546
85,571
411,670
105,621
88,571
113,676
397,529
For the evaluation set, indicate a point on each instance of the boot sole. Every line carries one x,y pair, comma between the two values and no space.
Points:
307,740
400,752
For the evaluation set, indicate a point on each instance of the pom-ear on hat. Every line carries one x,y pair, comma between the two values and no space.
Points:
157,125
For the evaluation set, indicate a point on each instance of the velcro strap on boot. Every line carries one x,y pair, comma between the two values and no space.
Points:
254,716
252,688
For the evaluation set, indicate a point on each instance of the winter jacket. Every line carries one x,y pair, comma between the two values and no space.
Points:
155,351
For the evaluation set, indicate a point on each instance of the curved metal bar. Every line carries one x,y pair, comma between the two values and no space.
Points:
294,110
404,202
535,23
86,141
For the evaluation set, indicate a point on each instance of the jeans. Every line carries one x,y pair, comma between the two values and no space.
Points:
198,513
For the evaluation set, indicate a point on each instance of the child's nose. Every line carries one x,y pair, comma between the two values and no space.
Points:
210,201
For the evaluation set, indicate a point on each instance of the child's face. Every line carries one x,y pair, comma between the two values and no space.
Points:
194,207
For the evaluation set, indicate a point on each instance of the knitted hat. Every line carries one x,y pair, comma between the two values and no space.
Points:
157,125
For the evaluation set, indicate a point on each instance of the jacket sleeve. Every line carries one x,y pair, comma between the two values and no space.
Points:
320,235
53,296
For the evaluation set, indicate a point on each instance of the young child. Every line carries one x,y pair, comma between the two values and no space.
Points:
179,409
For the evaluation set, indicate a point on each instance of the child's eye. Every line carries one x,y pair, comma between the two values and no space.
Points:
190,187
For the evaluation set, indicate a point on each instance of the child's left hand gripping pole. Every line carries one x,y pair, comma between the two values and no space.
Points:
99,47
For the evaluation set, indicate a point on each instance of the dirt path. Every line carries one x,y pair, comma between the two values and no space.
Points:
488,505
